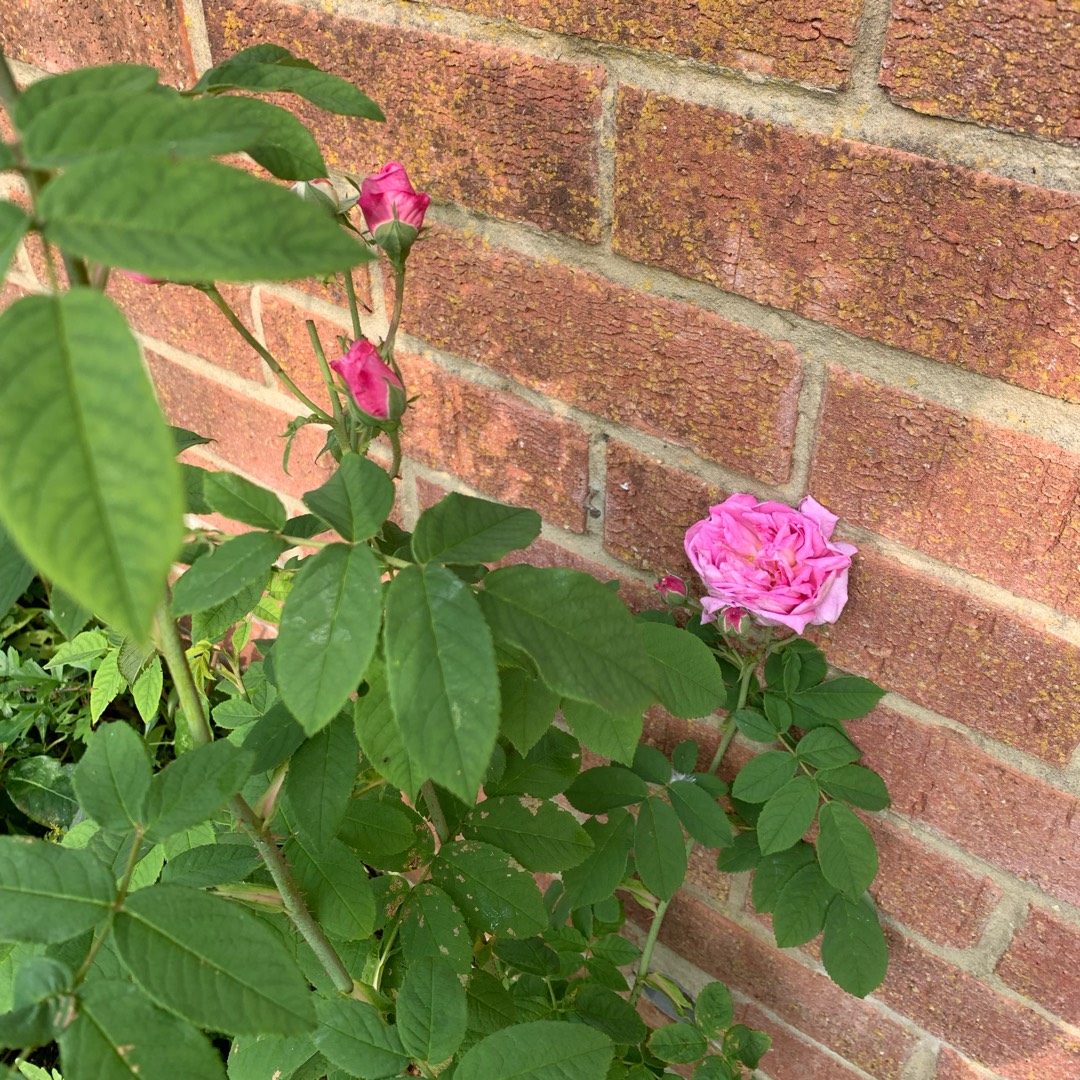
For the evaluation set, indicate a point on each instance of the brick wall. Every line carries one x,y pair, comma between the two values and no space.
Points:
784,247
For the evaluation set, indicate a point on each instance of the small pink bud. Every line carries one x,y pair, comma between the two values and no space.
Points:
375,388
733,620
671,588
393,209
142,279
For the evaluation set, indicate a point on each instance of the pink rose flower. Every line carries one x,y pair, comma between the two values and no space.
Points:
672,589
375,388
776,563
142,279
388,196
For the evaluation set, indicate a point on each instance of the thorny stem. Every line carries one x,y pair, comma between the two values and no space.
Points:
199,730
395,319
234,321
331,389
727,733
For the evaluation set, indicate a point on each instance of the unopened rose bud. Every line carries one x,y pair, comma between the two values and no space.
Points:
393,210
142,279
319,191
672,589
733,620
375,388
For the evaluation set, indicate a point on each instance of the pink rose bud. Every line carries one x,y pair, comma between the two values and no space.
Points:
320,191
375,388
733,620
672,589
777,564
393,209
142,279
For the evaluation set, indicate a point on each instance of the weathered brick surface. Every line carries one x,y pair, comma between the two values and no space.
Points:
1005,63
247,433
951,1066
1003,505
957,265
791,1057
992,810
61,36
928,891
807,43
1042,964
963,657
729,393
806,1000
187,320
503,132
497,443
1015,1041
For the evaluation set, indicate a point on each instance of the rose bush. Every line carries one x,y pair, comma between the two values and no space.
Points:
776,563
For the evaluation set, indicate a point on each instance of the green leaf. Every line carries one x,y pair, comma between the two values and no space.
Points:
50,893
754,725
597,877
380,737
538,834
244,501
353,1037
194,787
355,500
132,78
440,666
614,737
69,616
320,781
773,872
211,864
431,1011
262,72
117,1034
853,949
214,622
41,788
779,711
688,679
541,1050
746,1045
491,1008
108,682
379,830
14,224
763,776
493,893
701,815
787,815
685,756
190,220
270,1057
271,739
584,642
74,380
545,770
527,708
714,1012
603,1009
184,439
826,748
651,764
856,785
431,926
846,850
598,790
659,848
799,913
461,529
212,962
15,573
230,568
336,885
678,1043
329,629
846,698
112,780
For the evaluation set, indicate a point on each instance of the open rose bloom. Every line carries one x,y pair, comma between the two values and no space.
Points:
775,563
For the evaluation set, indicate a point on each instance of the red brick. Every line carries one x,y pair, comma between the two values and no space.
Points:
951,1066
1003,815
503,132
1002,505
188,320
59,37
806,1000
332,289
675,371
497,444
928,891
286,336
957,265
791,1057
247,433
967,658
804,45
1042,964
1014,1041
1005,63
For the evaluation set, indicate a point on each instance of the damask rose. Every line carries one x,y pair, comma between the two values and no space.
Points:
393,209
374,386
775,563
